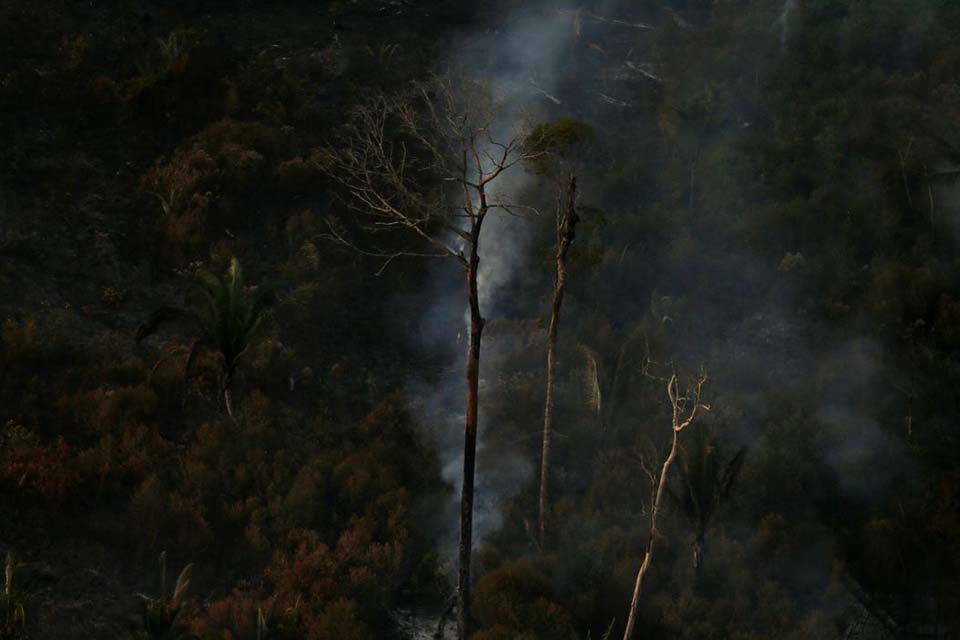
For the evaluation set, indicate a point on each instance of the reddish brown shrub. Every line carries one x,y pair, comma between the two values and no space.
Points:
40,470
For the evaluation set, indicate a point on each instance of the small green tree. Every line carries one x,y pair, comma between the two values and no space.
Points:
225,317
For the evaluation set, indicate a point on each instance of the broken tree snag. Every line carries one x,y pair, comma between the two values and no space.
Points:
566,230
558,145
684,410
425,162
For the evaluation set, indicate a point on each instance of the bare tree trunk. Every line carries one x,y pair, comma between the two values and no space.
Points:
470,440
648,555
679,424
565,234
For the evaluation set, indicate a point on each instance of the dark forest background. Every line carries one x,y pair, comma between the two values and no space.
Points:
769,192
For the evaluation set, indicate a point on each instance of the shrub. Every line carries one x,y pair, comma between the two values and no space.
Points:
518,597
45,471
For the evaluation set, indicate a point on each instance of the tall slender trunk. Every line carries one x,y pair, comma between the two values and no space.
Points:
565,234
469,439
648,555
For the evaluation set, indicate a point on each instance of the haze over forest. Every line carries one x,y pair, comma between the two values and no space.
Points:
505,320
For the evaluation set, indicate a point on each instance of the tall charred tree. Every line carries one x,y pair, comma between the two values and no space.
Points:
426,162
567,220
684,410
554,147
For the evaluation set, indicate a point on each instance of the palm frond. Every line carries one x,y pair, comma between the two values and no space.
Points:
705,481
690,499
732,473
180,589
258,311
233,312
191,356
606,634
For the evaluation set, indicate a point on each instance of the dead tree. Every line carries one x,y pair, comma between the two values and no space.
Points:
426,162
566,227
684,410
555,147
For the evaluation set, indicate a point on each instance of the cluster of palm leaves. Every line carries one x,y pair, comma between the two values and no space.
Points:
163,615
707,480
224,316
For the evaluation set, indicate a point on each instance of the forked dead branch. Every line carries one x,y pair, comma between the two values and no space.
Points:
685,407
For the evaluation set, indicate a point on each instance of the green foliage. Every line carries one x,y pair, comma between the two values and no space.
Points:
228,317
224,315
560,136
557,141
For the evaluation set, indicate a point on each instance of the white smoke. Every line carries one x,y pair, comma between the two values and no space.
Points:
789,6
856,444
520,61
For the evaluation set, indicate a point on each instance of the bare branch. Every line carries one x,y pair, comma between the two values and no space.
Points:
337,236
681,418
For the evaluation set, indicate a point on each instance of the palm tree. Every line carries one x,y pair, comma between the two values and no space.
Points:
225,318
706,483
